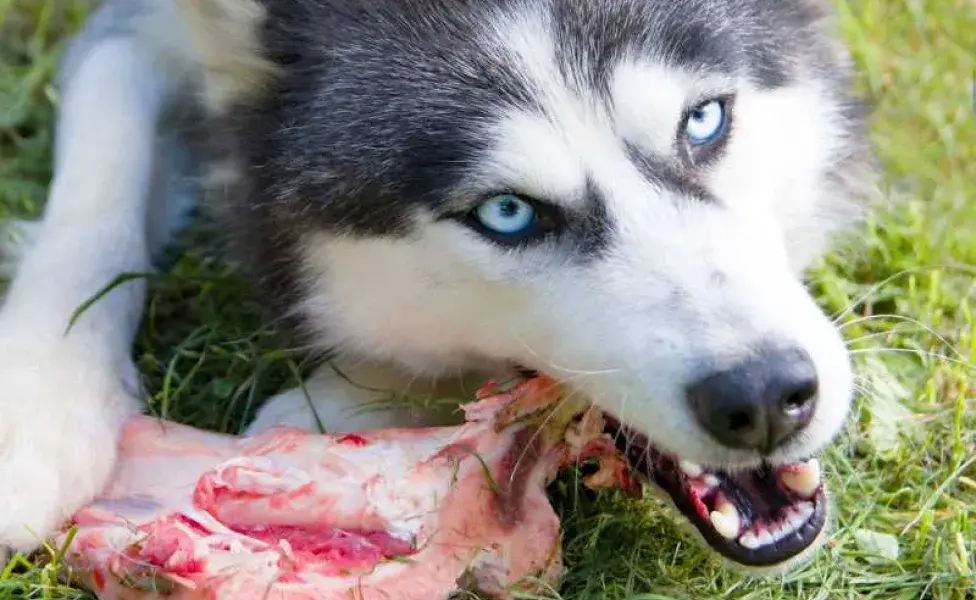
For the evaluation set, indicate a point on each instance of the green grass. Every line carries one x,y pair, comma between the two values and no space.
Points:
903,468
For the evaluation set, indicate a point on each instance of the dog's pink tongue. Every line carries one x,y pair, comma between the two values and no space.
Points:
287,515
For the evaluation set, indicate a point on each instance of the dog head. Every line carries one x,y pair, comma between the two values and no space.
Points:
622,194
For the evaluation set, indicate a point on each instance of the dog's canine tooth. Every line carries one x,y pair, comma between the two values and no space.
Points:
725,519
725,526
805,479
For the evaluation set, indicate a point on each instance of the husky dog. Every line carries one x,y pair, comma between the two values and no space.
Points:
621,194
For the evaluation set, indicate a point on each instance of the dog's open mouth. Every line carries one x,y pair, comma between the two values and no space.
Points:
757,518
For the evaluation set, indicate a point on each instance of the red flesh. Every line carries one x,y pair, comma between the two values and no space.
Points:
288,515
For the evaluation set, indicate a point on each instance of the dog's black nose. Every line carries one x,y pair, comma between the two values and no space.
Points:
759,403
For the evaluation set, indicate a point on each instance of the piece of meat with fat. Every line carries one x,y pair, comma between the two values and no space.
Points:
397,514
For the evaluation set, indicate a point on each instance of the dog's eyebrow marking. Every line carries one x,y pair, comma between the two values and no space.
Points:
666,174
592,226
540,149
532,152
647,101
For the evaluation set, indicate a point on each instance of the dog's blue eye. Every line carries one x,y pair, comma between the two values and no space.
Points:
506,214
706,122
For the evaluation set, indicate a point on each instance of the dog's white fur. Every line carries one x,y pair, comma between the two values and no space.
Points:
429,305
66,394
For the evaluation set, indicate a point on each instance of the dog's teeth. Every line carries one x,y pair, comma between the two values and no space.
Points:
794,521
691,469
804,480
749,541
782,530
800,514
795,518
725,507
725,526
725,519
711,481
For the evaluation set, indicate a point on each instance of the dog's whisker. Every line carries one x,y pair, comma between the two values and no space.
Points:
865,389
852,342
910,321
874,289
941,357
551,365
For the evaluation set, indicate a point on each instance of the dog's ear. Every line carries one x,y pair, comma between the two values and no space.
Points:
226,37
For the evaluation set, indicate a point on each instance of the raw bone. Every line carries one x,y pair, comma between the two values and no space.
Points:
399,514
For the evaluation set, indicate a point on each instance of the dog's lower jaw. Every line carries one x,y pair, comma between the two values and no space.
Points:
808,555
789,565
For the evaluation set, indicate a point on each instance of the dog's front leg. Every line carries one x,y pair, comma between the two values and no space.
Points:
65,392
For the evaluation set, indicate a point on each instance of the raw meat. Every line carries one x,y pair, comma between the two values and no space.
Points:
407,514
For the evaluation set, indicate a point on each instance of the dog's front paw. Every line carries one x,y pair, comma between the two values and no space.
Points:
60,417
